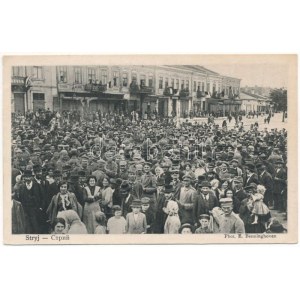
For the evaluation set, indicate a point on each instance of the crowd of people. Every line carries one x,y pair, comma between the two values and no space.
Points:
116,174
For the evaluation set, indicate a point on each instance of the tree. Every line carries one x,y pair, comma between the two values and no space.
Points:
279,98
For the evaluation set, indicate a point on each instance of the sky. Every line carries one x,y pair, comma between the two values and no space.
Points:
265,75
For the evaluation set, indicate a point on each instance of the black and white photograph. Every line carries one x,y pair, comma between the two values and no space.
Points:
151,151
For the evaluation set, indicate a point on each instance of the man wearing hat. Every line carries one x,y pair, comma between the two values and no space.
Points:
32,199
266,180
251,176
205,201
230,222
166,194
148,181
280,186
123,172
136,221
176,183
126,197
187,198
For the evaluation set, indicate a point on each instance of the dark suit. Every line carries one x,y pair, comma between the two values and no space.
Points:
203,205
279,188
267,181
252,179
32,202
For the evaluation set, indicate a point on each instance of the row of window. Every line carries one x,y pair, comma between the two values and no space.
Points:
116,81
37,72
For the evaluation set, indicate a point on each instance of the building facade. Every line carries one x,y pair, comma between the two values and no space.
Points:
254,103
164,90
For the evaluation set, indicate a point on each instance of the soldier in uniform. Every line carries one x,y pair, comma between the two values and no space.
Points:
230,222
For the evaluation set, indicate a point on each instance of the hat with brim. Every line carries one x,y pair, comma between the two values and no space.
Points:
187,178
238,179
225,201
205,184
27,173
277,228
204,216
145,200
250,187
186,225
169,189
136,203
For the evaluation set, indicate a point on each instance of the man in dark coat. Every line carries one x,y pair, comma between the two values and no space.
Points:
239,192
251,176
280,184
205,201
266,180
31,199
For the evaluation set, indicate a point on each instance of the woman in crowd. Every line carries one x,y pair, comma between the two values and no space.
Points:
63,201
91,196
59,226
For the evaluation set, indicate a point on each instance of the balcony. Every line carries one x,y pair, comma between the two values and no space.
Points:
146,90
200,94
95,88
134,89
170,91
184,93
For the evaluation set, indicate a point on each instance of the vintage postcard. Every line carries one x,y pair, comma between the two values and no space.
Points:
150,149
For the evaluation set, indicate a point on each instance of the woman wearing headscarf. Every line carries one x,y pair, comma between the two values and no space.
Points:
64,200
74,223
91,196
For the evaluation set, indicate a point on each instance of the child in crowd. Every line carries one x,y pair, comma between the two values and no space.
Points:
136,221
172,224
259,207
204,221
186,229
101,221
117,223
147,211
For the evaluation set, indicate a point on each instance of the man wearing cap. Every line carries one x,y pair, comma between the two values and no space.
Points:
230,222
176,183
234,165
135,185
280,186
84,166
205,201
239,192
123,172
186,200
111,167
